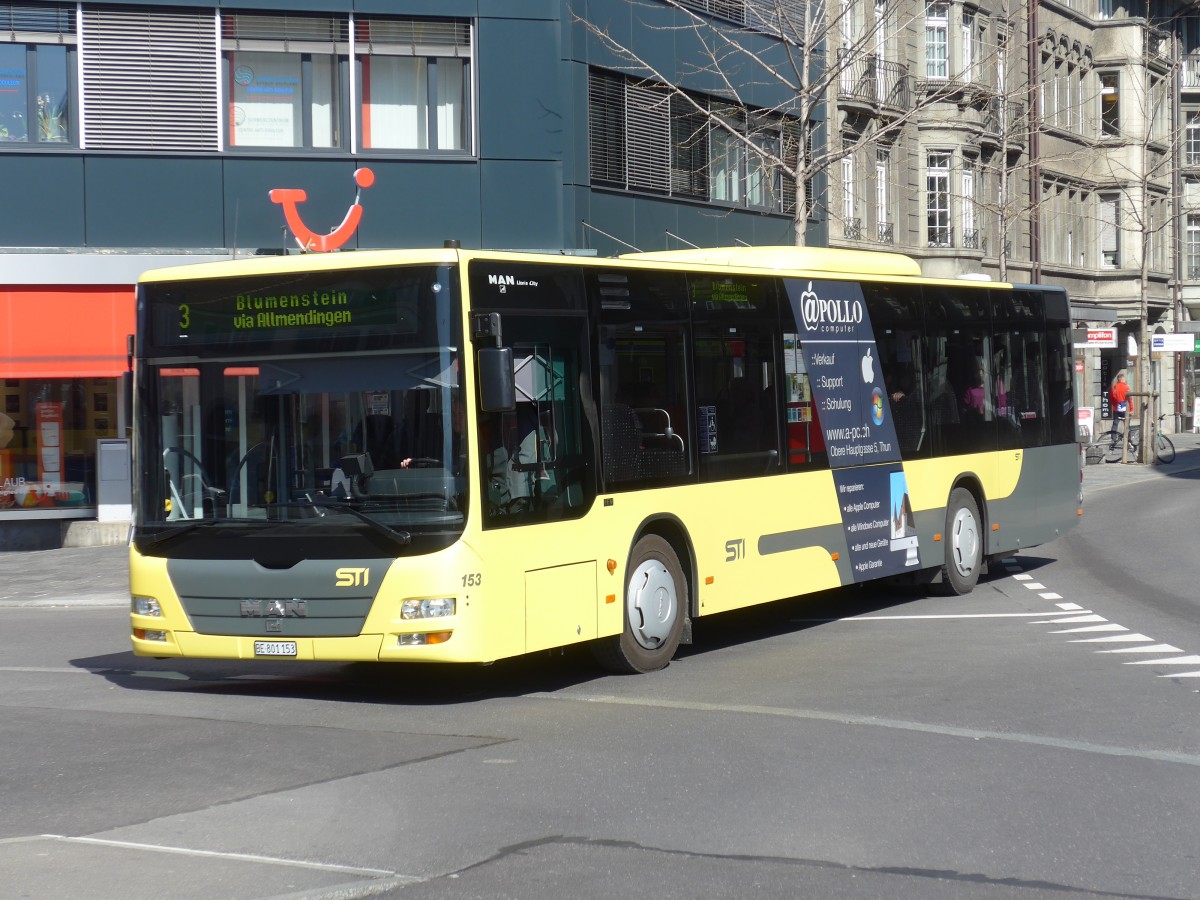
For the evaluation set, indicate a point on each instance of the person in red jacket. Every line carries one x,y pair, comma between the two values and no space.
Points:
1122,406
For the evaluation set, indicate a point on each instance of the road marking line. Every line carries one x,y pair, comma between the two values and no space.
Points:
1066,621
1181,675
1023,577
1128,638
242,857
931,616
1175,661
1157,648
1187,759
1035,586
1112,626
1067,606
1050,595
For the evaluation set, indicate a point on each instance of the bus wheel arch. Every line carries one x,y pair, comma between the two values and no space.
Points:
965,538
656,601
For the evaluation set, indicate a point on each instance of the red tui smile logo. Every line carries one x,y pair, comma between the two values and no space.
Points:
291,198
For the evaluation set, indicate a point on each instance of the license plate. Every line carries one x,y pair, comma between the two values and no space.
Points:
274,648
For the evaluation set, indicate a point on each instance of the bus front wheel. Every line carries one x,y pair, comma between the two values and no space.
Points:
656,601
964,543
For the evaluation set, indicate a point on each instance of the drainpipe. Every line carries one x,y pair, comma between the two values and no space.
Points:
1035,125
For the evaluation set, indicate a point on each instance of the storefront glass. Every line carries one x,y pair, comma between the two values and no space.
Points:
48,434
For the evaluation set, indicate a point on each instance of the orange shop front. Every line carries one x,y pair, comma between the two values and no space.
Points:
63,362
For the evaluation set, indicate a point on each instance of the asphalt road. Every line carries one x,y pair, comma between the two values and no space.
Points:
1037,739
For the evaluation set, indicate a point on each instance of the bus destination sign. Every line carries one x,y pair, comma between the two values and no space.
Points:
309,305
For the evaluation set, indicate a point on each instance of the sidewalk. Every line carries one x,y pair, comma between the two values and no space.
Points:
1102,475
89,576
99,576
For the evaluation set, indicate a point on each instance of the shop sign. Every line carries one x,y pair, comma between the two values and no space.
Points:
309,241
1100,337
1172,343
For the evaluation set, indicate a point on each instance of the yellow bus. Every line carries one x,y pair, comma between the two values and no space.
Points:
463,456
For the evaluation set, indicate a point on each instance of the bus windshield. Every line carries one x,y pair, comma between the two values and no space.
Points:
363,434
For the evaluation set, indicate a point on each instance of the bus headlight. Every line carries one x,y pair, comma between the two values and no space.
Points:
427,609
146,606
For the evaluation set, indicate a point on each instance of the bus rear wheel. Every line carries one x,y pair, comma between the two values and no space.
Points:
656,601
964,544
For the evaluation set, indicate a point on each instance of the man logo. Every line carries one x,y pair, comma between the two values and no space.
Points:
352,577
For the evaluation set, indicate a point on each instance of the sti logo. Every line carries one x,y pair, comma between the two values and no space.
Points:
291,198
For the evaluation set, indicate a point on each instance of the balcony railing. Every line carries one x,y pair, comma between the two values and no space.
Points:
887,232
869,79
1002,113
971,239
852,229
941,236
1191,70
1193,272
1158,45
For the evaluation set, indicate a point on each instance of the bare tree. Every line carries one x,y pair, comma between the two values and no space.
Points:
796,52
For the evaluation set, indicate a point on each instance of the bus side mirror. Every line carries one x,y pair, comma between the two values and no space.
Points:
497,385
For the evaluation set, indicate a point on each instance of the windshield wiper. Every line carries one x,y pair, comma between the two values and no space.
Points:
179,531
403,538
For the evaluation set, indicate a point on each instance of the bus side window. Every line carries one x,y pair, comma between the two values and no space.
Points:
958,325
537,458
897,318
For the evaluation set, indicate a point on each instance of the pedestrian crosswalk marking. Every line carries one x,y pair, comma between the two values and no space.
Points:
1078,615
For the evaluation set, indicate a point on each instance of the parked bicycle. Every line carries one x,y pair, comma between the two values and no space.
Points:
1164,449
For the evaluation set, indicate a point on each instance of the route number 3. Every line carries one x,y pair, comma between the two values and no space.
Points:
185,316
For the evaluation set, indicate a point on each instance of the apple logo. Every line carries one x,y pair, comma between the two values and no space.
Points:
809,308
868,367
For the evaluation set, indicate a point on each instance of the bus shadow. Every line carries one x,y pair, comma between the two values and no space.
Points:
407,684
419,684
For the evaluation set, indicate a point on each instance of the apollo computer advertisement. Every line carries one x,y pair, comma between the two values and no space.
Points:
855,416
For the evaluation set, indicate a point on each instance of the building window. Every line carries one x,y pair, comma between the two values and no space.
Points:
970,222
1110,231
1110,106
37,72
937,40
149,78
644,137
969,50
1104,9
762,175
937,200
1193,248
1192,139
1158,108
284,80
883,180
851,225
727,157
415,77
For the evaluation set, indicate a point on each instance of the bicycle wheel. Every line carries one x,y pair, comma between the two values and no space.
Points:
1135,440
1165,450
1112,451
